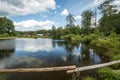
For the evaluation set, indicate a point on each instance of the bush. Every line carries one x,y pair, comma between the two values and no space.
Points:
71,37
106,73
89,38
114,36
89,78
86,39
106,43
4,35
3,77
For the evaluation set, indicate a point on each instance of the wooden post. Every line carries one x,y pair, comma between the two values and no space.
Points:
25,70
93,66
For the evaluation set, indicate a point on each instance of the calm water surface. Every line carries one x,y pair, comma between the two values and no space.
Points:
36,53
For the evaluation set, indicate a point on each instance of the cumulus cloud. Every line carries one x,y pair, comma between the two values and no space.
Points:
64,12
33,47
78,17
97,2
116,2
30,25
24,7
92,4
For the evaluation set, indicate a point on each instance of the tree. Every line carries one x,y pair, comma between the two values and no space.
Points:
86,21
6,26
70,19
107,9
110,23
59,32
53,31
69,27
110,20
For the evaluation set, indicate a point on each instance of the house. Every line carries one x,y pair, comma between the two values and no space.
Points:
39,34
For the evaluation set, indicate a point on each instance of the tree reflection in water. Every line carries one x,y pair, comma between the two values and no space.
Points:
7,48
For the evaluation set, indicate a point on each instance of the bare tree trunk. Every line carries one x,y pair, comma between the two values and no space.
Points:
93,66
25,70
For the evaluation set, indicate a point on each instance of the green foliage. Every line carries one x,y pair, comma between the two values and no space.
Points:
115,55
59,32
107,9
72,30
71,37
86,39
3,77
106,42
53,32
70,19
89,78
110,20
86,21
6,26
110,23
107,74
4,35
89,38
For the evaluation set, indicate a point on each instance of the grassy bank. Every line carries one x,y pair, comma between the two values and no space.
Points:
2,38
13,37
104,73
112,45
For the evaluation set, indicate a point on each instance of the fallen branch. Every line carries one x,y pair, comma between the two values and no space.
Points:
25,70
93,66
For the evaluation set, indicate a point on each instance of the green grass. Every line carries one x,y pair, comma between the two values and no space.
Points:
3,77
89,78
13,37
106,73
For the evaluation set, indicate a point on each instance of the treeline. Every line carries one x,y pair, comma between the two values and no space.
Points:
109,22
6,27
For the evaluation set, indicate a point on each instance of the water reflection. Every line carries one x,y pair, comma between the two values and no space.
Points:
23,53
7,48
30,53
32,45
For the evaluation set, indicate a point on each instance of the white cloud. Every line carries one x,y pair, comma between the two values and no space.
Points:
97,2
33,47
78,17
30,25
93,4
64,12
116,2
24,7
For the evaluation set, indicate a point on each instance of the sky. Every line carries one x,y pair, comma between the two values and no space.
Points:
30,15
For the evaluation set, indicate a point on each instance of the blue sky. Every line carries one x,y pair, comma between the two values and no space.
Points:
43,14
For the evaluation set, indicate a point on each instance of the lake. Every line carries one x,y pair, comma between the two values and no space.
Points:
38,53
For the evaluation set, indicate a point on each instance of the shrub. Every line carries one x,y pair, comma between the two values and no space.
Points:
4,35
86,39
3,77
106,43
71,37
89,38
106,73
89,78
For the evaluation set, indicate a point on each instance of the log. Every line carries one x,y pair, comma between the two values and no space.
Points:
93,66
116,71
25,70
